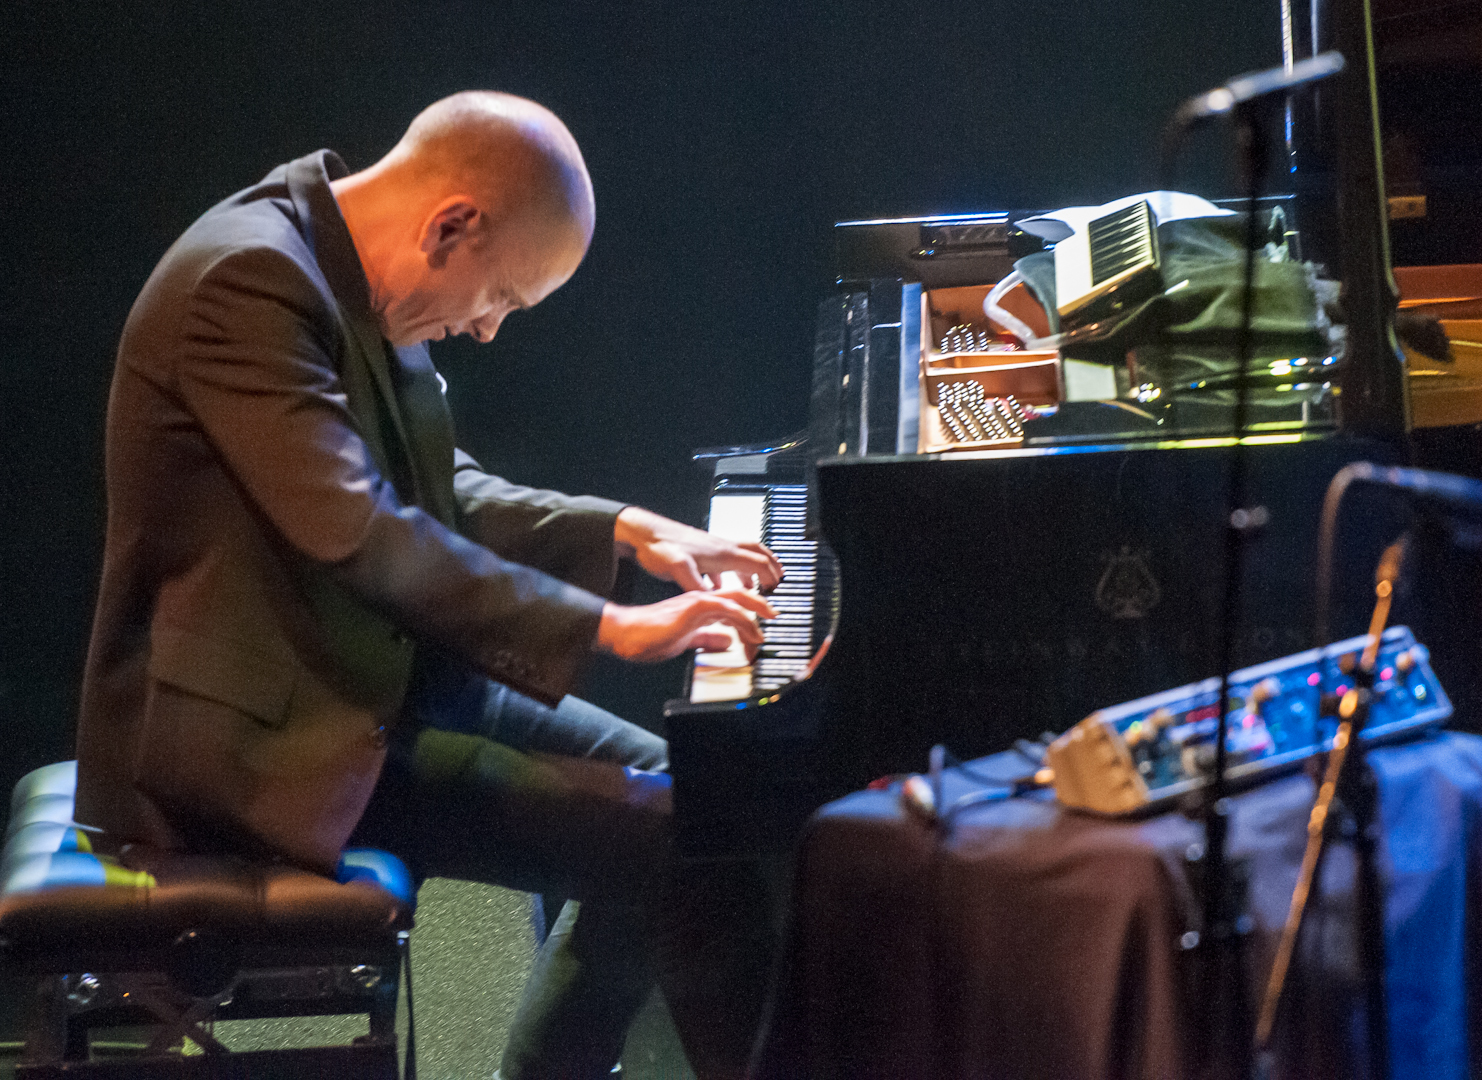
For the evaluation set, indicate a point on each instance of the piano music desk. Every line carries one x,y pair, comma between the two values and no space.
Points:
1036,942
1448,393
1445,394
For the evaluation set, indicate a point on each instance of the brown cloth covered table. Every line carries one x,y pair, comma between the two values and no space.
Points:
1030,941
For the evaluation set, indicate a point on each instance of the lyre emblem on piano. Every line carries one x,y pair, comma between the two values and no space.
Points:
1127,589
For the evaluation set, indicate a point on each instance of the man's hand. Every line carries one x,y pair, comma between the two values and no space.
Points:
687,556
661,631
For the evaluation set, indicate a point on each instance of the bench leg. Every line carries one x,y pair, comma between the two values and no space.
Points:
383,1005
179,1016
46,1026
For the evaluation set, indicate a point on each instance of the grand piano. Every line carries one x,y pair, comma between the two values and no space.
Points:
975,597
978,583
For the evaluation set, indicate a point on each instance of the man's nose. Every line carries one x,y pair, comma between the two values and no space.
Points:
485,328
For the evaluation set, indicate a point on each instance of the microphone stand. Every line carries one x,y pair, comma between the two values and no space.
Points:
1374,403
1224,900
1361,794
1350,781
1221,947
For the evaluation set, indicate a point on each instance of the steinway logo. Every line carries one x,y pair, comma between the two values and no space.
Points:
1127,589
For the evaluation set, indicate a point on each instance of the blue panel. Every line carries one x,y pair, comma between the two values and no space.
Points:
647,780
379,868
41,838
53,872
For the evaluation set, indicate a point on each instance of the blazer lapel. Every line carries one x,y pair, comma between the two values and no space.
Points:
324,229
430,450
371,351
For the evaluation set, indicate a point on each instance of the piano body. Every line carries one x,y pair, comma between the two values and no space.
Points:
982,596
974,598
1011,587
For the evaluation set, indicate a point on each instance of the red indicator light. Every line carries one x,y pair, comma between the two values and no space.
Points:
1387,674
1314,678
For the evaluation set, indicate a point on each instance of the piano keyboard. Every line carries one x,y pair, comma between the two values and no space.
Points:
773,514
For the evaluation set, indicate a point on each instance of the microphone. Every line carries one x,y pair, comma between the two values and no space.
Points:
1459,491
1223,100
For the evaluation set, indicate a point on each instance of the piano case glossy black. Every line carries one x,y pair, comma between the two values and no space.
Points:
988,599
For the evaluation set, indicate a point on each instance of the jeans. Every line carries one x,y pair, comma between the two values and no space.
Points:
515,793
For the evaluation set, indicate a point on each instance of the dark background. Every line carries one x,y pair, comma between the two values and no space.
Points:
723,141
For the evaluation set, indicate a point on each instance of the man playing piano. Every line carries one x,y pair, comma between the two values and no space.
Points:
321,624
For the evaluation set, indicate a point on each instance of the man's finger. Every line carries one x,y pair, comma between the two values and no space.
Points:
750,601
766,574
749,632
762,550
687,575
773,566
725,608
710,641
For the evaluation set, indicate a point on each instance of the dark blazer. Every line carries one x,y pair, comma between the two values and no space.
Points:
288,523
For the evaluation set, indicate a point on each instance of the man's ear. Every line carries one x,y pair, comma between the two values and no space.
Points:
454,221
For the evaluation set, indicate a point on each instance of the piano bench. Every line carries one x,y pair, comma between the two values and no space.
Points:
166,943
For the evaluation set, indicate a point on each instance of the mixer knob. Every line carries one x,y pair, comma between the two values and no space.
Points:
1197,760
1139,732
1348,663
1263,692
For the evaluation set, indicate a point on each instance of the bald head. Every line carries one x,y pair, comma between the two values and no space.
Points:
484,207
504,150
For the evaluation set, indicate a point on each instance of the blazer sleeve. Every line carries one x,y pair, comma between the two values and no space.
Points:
569,537
255,368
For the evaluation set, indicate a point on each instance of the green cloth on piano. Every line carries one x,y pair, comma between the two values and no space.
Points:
1183,340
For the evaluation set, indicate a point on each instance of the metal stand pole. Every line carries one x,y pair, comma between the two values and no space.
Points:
1347,777
1224,899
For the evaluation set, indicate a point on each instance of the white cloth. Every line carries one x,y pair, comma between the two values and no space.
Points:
1167,206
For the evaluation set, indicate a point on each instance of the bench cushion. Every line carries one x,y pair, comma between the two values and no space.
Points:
58,895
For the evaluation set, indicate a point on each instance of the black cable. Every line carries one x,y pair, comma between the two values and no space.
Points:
995,789
1020,784
977,798
409,1069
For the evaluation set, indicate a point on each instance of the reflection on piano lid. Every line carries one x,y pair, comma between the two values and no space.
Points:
759,495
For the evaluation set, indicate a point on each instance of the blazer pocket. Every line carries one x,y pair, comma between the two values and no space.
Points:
222,671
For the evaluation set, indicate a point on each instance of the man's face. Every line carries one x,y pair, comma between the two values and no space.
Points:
470,288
